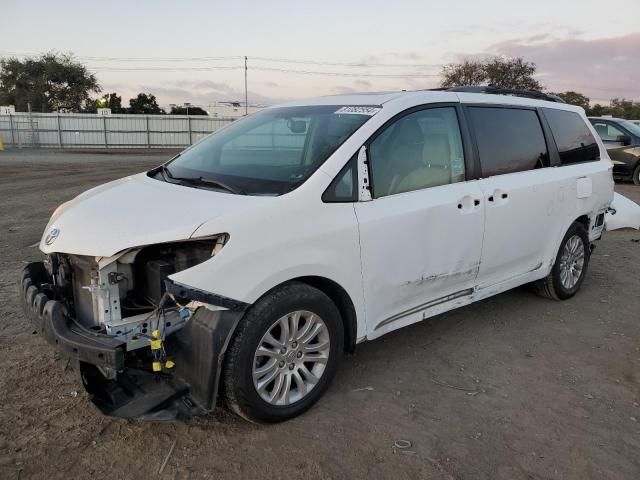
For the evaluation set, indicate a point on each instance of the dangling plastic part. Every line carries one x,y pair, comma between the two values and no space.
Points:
623,213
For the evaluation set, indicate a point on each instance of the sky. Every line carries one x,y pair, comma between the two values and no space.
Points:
193,51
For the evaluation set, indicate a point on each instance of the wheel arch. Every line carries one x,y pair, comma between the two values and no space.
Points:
583,220
635,167
342,300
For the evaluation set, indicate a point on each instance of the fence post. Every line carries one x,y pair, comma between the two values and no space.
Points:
148,134
13,137
189,125
59,131
104,129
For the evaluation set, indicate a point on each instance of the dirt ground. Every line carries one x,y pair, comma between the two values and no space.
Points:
513,387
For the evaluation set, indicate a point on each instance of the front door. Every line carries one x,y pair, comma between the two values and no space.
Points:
421,234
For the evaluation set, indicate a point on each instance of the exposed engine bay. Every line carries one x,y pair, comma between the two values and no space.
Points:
147,347
121,296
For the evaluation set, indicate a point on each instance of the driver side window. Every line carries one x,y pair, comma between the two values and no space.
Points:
419,150
607,132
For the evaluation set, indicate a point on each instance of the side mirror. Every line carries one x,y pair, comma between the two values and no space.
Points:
297,126
624,140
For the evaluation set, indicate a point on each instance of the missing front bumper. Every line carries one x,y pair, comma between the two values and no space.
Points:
128,390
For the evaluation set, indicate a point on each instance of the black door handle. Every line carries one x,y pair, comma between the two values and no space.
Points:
476,202
504,196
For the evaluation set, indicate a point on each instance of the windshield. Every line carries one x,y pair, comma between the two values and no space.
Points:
270,152
632,127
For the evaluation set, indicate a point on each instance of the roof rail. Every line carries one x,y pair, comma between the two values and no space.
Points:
506,91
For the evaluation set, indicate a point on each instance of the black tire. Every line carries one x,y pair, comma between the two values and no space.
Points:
636,175
551,286
238,388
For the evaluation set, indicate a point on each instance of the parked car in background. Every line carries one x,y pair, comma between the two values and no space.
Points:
622,140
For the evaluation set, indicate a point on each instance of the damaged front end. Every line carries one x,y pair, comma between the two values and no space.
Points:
146,347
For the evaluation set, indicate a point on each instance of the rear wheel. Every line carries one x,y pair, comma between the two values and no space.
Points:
284,354
636,175
570,267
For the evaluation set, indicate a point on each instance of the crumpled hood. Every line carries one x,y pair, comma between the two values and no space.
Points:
136,211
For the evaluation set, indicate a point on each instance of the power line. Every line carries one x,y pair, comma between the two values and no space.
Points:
161,69
346,74
132,59
157,59
266,69
261,59
347,64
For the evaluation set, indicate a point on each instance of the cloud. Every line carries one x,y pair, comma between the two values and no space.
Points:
602,68
356,86
392,57
204,92
364,84
344,89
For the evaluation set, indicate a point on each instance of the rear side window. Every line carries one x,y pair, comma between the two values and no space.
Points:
509,140
573,137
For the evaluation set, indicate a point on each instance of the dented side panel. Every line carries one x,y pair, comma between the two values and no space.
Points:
418,247
528,214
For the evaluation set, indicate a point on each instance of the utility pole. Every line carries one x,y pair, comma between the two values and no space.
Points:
188,104
246,100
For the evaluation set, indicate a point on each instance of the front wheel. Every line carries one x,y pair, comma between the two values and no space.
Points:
283,355
636,175
570,267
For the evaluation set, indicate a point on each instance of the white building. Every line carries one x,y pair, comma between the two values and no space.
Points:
230,109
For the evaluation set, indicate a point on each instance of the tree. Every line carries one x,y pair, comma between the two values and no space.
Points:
110,100
50,82
144,103
623,108
598,110
496,71
575,98
619,108
177,110
114,102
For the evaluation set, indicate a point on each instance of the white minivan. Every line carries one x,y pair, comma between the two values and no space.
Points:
243,268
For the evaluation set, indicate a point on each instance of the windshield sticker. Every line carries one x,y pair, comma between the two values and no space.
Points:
358,110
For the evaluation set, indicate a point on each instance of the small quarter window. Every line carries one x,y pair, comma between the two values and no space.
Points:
509,140
574,140
344,186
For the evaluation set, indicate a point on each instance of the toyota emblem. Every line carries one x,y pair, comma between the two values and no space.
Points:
51,236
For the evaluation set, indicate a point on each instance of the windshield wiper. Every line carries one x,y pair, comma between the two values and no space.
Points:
166,172
202,180
206,181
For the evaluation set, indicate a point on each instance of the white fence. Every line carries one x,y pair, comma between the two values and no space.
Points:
73,130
